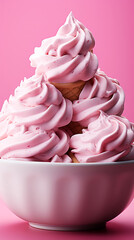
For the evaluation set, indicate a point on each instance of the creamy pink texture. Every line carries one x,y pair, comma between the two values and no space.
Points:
66,57
23,142
130,155
107,139
4,121
36,102
100,93
29,123
65,158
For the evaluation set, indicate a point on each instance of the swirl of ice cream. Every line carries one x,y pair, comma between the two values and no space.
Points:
36,102
5,120
56,159
109,138
66,57
32,142
100,93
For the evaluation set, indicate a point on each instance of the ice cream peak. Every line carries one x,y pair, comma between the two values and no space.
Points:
109,138
66,57
100,93
36,102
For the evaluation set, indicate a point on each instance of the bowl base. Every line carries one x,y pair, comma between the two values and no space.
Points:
69,228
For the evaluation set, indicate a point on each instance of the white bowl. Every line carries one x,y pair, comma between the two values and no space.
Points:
66,196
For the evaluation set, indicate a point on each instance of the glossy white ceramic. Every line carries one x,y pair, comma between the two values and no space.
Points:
66,196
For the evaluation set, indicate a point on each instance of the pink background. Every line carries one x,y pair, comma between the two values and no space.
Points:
13,228
23,24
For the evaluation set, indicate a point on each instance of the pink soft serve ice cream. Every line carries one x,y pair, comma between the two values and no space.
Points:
36,102
66,57
34,119
109,138
30,122
32,142
100,93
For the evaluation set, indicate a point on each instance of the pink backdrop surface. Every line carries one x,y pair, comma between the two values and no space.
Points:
24,24
13,228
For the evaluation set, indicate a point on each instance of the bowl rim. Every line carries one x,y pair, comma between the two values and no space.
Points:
12,160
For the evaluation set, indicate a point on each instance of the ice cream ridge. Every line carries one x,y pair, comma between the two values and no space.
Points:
30,122
107,139
69,111
67,60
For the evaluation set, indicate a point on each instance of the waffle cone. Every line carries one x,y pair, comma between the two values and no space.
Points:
75,127
70,91
71,155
